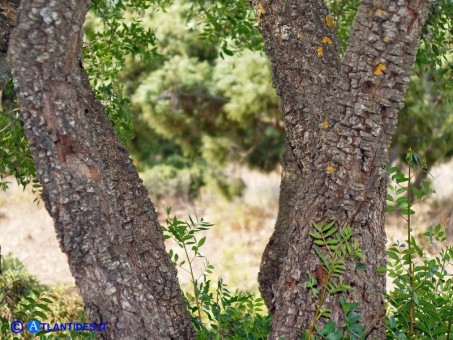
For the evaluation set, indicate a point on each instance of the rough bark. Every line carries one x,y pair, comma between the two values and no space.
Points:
276,249
340,116
8,11
104,220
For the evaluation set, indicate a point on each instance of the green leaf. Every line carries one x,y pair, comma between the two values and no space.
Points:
201,242
392,170
228,52
416,298
316,236
381,270
328,226
392,321
417,192
317,227
331,232
31,300
402,200
321,256
326,313
437,228
400,191
426,187
359,266
328,328
40,314
44,307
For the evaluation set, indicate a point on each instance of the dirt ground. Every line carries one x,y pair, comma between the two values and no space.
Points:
234,246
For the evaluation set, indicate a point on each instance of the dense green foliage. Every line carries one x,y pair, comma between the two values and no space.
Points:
420,304
209,106
202,93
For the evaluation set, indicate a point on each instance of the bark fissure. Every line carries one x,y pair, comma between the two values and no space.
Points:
103,217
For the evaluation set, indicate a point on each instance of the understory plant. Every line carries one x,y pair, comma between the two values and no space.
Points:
23,298
334,246
420,304
217,312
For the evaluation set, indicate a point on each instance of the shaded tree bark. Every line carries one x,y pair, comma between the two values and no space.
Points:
340,116
276,249
104,220
8,11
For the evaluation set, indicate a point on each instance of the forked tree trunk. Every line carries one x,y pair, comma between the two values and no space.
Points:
103,217
340,116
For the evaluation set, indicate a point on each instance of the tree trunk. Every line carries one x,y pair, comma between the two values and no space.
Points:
340,116
103,217
276,249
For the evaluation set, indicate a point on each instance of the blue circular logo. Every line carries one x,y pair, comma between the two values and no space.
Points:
16,326
33,326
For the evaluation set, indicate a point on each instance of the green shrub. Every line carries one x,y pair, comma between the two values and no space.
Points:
23,298
217,312
421,303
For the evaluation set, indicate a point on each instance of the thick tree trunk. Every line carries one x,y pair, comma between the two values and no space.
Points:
340,116
103,217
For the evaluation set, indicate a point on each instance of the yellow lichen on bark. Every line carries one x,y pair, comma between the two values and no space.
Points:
300,36
325,124
326,40
379,69
260,11
379,11
331,169
329,21
320,51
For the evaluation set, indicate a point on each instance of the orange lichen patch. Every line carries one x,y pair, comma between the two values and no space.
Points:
379,69
379,11
331,169
330,22
320,51
325,124
326,40
261,9
300,36
386,38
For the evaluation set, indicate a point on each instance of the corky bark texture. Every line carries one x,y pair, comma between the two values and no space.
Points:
8,11
340,116
103,217
276,249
